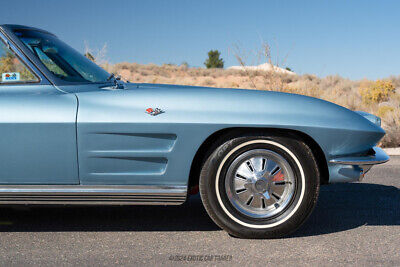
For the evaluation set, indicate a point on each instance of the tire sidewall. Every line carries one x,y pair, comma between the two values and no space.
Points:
237,224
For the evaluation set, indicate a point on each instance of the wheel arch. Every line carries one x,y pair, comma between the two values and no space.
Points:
214,140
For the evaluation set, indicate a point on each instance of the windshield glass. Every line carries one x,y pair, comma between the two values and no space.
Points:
62,60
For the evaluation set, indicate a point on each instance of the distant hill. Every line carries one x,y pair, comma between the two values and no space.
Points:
264,67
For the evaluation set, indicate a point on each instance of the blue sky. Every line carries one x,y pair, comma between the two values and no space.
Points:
354,39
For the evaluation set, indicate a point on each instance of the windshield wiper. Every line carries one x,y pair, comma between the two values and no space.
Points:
112,76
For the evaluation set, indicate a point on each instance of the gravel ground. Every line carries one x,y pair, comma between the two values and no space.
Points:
353,224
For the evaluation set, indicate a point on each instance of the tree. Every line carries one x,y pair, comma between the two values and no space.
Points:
214,60
90,56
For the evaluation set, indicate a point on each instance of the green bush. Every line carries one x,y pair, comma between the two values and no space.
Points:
214,60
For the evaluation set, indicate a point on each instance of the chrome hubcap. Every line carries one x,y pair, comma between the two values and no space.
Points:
260,183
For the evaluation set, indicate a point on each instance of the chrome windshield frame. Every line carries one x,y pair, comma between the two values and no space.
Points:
8,31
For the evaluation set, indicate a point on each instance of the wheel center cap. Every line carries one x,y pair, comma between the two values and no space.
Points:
261,186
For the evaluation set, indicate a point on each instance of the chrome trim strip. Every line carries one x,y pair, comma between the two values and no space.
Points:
379,157
92,195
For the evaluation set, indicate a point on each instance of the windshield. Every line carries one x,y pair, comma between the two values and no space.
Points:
62,60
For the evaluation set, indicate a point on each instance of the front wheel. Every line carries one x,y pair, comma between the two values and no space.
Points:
260,186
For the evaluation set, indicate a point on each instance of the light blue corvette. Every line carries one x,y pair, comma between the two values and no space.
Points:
71,133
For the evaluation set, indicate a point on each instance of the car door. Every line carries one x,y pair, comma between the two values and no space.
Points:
37,124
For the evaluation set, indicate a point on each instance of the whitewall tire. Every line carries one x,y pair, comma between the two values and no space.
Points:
259,186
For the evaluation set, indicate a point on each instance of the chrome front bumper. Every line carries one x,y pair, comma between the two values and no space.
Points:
354,168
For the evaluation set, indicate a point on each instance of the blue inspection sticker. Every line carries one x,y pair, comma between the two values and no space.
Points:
10,77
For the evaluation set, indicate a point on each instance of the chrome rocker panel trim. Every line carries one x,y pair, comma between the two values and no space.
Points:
92,195
379,157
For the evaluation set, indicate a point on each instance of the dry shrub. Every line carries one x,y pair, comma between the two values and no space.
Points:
384,110
391,124
376,92
208,82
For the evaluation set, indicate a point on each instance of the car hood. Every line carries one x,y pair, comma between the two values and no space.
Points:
257,101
